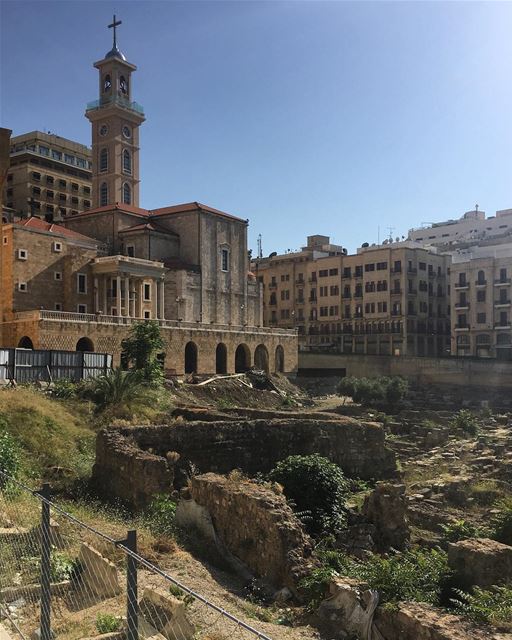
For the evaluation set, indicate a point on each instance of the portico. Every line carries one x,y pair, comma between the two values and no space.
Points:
129,287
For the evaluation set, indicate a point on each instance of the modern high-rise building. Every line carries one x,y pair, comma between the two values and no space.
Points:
49,177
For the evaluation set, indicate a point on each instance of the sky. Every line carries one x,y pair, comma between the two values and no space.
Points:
338,118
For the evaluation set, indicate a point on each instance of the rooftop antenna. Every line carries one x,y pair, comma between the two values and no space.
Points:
260,249
391,229
476,207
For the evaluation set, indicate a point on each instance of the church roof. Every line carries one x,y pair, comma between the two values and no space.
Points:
164,211
150,226
115,53
49,227
192,206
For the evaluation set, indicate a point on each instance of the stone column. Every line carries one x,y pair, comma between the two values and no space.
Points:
141,298
96,295
133,312
154,299
105,281
127,296
161,307
118,302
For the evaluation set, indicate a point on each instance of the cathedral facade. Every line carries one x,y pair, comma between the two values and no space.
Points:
84,282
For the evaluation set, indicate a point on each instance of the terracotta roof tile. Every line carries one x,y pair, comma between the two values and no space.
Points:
50,227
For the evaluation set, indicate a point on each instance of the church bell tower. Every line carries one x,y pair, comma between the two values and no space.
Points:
115,121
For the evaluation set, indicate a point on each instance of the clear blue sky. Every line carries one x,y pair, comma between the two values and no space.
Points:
305,117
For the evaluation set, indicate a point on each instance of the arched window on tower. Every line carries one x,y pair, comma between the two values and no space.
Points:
127,193
123,85
103,194
104,159
107,83
127,161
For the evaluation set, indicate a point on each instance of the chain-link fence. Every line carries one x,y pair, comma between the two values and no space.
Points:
61,578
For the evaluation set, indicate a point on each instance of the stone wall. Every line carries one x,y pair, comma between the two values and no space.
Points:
459,372
106,338
250,445
257,526
481,562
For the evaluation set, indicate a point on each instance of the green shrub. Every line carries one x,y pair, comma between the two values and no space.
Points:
466,421
160,516
501,523
383,391
9,454
117,389
315,486
488,606
459,530
62,567
416,576
64,389
107,623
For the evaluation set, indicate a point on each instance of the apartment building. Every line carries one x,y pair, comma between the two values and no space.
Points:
472,226
385,299
49,177
480,283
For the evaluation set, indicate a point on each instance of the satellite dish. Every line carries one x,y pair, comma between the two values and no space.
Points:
364,245
273,254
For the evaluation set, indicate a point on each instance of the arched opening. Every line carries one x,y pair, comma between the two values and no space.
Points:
104,159
221,359
481,277
25,343
279,359
123,85
127,161
261,358
103,194
84,344
190,357
107,83
127,193
242,358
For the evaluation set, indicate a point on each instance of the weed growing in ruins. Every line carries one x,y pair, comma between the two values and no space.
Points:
63,389
501,523
459,530
107,623
160,517
488,606
118,390
416,576
9,454
316,487
466,421
387,392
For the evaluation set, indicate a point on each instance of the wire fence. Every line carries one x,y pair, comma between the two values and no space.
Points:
62,578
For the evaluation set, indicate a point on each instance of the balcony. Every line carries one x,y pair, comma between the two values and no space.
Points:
301,282
412,270
480,283
272,303
461,327
461,286
358,294
396,292
501,304
396,269
358,274
312,299
300,300
502,326
412,292
502,282
346,296
312,280
115,101
272,285
461,306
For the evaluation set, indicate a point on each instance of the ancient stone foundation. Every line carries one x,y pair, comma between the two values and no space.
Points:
135,463
254,524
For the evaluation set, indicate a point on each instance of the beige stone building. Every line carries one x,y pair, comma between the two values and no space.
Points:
49,177
82,284
480,284
389,299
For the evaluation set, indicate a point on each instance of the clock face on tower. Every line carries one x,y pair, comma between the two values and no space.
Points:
127,132
103,130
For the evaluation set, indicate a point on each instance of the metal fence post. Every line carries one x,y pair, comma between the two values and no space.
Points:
46,633
132,605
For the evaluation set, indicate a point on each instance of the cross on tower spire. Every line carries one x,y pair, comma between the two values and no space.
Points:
113,26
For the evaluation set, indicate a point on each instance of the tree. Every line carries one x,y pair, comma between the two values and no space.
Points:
141,350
